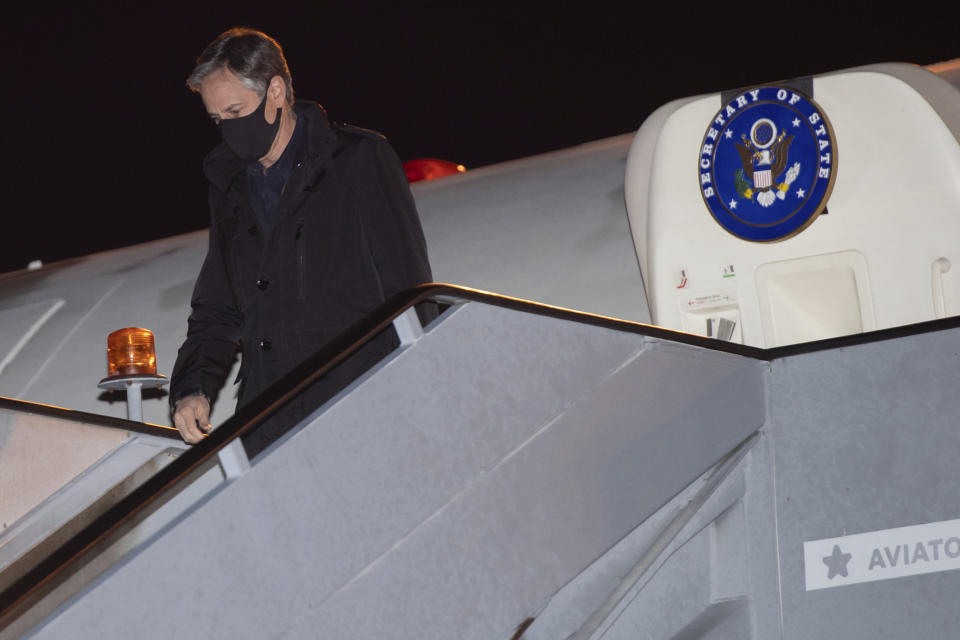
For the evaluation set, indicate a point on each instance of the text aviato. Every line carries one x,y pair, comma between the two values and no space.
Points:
914,552
933,547
767,164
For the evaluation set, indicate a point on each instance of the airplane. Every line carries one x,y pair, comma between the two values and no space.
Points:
630,228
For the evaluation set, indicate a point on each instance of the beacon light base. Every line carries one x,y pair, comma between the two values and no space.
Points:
133,384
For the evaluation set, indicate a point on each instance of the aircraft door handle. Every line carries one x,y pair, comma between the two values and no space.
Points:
939,267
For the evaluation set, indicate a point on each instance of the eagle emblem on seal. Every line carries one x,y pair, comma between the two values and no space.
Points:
764,156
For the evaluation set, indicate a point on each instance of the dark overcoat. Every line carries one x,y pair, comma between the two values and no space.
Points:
345,237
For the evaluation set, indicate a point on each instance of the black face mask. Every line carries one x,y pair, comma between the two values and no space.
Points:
250,137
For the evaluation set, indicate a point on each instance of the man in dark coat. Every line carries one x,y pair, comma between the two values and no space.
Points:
312,226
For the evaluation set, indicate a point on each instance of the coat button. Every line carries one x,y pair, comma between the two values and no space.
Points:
236,208
262,284
252,230
266,345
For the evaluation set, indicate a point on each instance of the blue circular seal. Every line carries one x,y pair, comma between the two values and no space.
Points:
767,164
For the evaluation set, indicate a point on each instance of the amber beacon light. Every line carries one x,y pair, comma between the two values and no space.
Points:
131,365
130,351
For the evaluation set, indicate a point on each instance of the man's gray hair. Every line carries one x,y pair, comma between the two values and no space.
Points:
252,56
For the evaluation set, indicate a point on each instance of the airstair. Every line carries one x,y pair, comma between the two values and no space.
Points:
520,471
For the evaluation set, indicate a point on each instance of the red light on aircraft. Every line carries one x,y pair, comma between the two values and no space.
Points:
130,351
430,169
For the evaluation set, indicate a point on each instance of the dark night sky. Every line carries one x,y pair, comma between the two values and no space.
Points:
103,143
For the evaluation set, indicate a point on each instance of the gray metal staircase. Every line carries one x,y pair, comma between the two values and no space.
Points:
516,470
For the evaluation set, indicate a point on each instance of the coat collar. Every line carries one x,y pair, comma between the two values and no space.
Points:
222,166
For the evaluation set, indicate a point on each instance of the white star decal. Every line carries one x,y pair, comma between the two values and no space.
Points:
733,204
800,193
796,122
728,133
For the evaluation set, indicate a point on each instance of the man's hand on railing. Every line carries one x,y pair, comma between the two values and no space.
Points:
192,418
